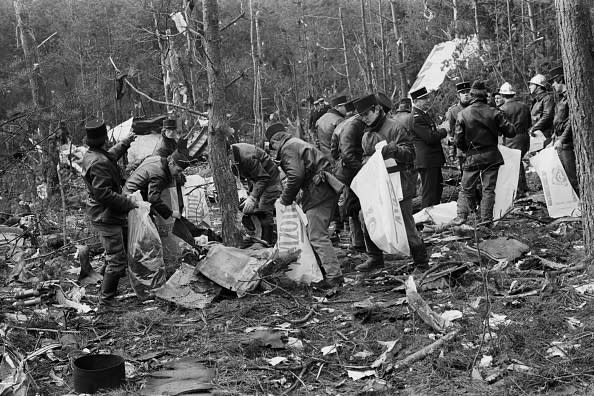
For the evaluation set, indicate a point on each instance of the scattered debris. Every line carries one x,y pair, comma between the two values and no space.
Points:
504,248
275,361
357,375
418,305
179,377
327,350
188,289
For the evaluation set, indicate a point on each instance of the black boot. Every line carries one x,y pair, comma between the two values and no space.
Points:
268,234
373,262
109,286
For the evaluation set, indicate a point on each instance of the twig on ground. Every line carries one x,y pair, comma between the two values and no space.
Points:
299,380
424,352
303,319
47,330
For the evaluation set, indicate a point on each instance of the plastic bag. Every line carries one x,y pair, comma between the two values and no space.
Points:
379,204
507,181
559,195
146,268
291,230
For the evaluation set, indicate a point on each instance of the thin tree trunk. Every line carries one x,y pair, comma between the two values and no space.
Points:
476,20
223,178
365,39
383,38
509,31
455,18
344,52
190,55
399,52
163,49
574,23
257,88
531,21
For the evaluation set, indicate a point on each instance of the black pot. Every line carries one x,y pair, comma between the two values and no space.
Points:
94,372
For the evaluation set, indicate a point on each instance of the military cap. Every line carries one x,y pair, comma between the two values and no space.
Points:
169,124
96,132
338,100
419,93
180,159
463,86
365,103
384,101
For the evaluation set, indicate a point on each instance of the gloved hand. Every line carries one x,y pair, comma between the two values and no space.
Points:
250,205
129,139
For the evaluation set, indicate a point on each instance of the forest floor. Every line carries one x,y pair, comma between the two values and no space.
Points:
524,329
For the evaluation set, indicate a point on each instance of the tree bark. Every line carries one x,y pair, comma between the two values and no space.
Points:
365,39
383,42
223,178
574,22
344,52
399,52
257,88
455,18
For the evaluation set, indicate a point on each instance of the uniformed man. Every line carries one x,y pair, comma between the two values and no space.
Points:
400,147
478,127
463,92
107,206
327,123
518,113
543,107
429,154
562,128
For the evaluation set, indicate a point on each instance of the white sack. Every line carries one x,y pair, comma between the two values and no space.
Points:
507,181
291,230
559,194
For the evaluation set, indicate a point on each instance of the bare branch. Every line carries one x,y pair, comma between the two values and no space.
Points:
237,18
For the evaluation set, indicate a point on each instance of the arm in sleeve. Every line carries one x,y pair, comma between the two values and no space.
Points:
460,136
258,175
295,175
334,145
119,150
155,188
401,148
427,132
349,146
504,127
101,185
548,112
566,134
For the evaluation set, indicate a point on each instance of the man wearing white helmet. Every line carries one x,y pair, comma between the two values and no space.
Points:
543,107
518,113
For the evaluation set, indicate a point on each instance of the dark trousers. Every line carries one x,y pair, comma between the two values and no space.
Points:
567,157
417,247
113,240
431,186
265,208
466,199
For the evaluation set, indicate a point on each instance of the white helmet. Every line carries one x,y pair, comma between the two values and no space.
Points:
507,89
540,80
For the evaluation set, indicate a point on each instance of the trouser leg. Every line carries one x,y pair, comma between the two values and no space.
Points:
466,196
431,186
318,219
357,238
112,240
372,250
489,181
567,158
417,247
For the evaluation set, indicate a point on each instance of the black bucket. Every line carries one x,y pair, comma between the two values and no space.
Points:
94,372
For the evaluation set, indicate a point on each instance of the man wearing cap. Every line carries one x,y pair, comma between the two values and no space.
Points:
307,169
543,107
518,113
319,110
477,131
400,147
463,91
255,165
562,128
349,162
404,106
107,206
429,154
155,174
328,122
169,138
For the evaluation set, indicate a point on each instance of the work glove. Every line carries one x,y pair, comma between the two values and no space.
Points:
250,205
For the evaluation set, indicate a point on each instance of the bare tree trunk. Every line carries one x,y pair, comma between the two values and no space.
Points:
531,20
383,38
476,20
190,54
29,44
163,48
574,22
455,18
344,51
256,63
399,52
223,178
509,32
365,39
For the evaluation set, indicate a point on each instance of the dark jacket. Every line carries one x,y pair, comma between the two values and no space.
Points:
325,126
562,125
315,116
301,161
427,140
255,165
101,174
397,132
543,112
477,130
351,152
451,116
166,147
518,113
151,178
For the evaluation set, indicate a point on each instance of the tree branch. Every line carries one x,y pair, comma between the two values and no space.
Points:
237,18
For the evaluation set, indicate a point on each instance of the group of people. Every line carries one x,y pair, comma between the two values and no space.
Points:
318,174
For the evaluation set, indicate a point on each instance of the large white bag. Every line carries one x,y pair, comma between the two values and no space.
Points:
507,181
380,206
559,194
195,200
291,231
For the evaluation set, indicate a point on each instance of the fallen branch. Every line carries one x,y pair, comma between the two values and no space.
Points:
299,380
303,319
424,352
46,330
